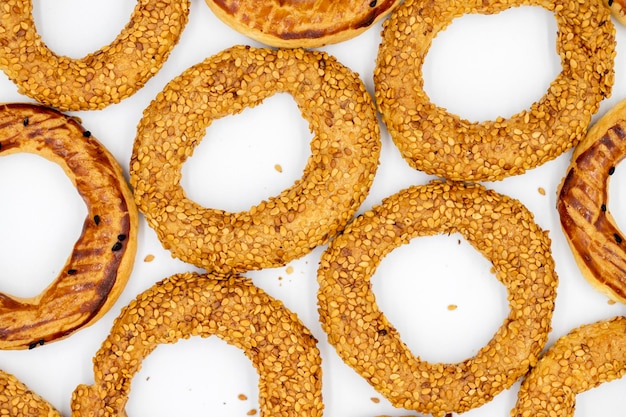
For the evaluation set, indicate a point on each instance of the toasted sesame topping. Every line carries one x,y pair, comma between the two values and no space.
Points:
280,347
437,142
336,179
503,230
101,78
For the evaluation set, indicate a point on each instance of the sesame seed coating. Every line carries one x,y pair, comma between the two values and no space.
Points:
93,275
591,231
577,362
104,77
501,229
16,400
437,142
301,24
280,347
336,179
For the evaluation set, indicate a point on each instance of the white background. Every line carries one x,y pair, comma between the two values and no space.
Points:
480,67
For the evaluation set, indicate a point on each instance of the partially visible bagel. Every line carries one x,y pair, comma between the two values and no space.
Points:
618,10
593,235
301,23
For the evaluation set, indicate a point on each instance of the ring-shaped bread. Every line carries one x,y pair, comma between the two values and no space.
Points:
501,229
17,400
594,237
281,348
104,77
583,359
301,24
437,142
100,264
336,179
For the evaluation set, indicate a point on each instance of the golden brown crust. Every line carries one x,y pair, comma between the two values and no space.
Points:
16,400
437,142
301,23
101,78
338,175
592,234
618,10
102,259
280,347
500,228
579,361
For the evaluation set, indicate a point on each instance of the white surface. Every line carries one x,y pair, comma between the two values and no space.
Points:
481,66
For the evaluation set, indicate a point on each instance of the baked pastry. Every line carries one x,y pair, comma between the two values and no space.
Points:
301,23
102,259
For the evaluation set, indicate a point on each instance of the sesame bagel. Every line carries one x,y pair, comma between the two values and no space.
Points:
298,23
440,143
583,359
281,348
502,230
102,259
337,177
17,400
99,79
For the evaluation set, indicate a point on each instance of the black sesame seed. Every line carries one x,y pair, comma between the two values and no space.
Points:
603,207
611,170
33,345
373,3
121,238
618,238
87,134
25,121
116,247
96,219
71,272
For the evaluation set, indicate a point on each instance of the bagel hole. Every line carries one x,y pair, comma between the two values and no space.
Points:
449,306
197,376
41,218
63,24
248,157
485,66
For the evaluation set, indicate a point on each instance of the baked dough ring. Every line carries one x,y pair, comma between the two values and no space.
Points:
590,229
98,268
338,175
583,359
500,228
280,347
101,78
437,142
298,23
16,400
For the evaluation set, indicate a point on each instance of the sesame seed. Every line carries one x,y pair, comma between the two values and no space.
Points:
437,142
284,227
